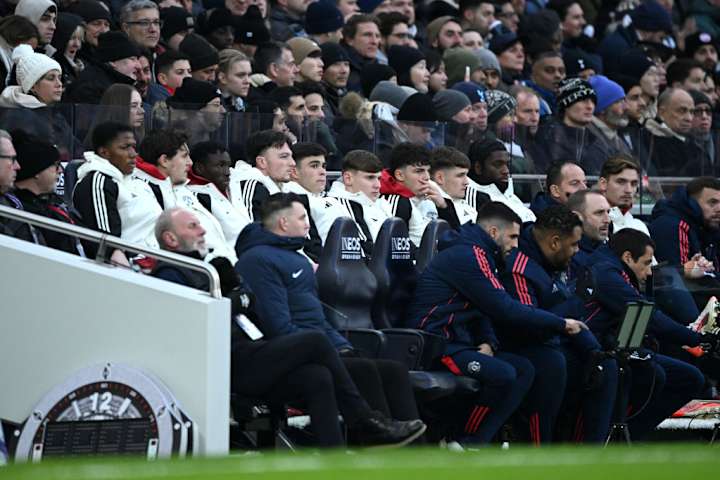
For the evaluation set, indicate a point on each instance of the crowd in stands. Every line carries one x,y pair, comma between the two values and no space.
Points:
208,128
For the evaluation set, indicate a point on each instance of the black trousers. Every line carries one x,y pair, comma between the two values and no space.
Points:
385,385
304,367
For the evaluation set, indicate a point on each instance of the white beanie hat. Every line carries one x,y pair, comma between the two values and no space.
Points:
31,66
33,9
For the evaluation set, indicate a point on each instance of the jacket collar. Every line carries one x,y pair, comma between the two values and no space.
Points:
390,186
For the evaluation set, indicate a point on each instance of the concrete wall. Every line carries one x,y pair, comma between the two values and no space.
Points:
59,313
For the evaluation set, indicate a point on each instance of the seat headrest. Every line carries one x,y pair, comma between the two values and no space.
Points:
392,243
342,243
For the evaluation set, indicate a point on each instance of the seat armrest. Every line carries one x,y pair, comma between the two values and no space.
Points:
404,345
367,342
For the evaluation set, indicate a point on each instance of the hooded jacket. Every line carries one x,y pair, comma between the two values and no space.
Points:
615,285
459,295
111,202
283,282
494,194
92,82
249,188
417,212
368,215
679,230
458,211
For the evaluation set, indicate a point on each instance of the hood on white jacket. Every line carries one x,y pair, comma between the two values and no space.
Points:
96,163
337,189
244,171
14,97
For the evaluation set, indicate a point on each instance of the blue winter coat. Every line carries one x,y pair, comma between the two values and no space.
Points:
679,231
615,285
283,282
581,260
460,297
542,201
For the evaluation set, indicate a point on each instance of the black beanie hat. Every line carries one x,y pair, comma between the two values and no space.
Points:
417,108
115,46
481,149
634,63
193,94
372,74
250,28
175,20
67,23
199,51
90,10
323,17
696,40
573,90
333,53
402,58
698,97
218,18
34,154
577,60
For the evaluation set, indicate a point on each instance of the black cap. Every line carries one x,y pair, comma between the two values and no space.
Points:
199,51
34,154
333,53
115,46
90,10
250,28
193,94
417,108
175,20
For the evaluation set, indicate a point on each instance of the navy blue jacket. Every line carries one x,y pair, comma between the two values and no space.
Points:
542,201
679,231
615,286
459,295
532,280
581,260
283,282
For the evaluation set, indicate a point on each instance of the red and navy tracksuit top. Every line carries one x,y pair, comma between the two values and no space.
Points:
679,231
460,297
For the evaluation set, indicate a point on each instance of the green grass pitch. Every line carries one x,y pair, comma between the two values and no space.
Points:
676,462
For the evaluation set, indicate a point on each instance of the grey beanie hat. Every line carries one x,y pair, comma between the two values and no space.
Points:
488,60
388,92
449,103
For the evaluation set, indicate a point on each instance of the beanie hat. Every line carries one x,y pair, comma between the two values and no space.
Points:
456,60
544,23
634,64
577,60
696,40
402,58
115,46
67,23
193,94
250,28
199,51
372,74
90,10
323,17
441,8
487,59
417,108
573,90
474,92
499,104
607,92
698,97
367,6
302,47
34,154
175,20
33,9
481,149
333,53
31,66
652,17
390,93
503,41
449,103
433,28
217,18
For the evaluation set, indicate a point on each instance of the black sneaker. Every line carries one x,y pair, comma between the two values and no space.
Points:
378,431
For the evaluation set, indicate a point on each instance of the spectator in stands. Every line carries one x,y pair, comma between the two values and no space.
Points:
511,56
361,40
9,168
233,78
509,18
454,107
490,178
106,197
117,63
97,21
120,103
548,70
669,136
300,366
292,103
287,19
140,20
358,189
14,30
171,68
562,180
39,81
438,75
701,133
411,67
67,41
324,22
218,28
406,186
594,210
636,108
308,58
274,66
478,99
250,32
490,66
703,48
203,57
685,226
347,7
581,64
686,74
177,24
144,73
163,164
448,169
459,62
394,30
270,257
617,270
527,113
195,108
335,75
478,14
444,33
43,14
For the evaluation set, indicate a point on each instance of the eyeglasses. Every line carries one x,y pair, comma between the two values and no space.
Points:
698,112
12,158
145,24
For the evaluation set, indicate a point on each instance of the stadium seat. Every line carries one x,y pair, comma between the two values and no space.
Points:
70,177
428,243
